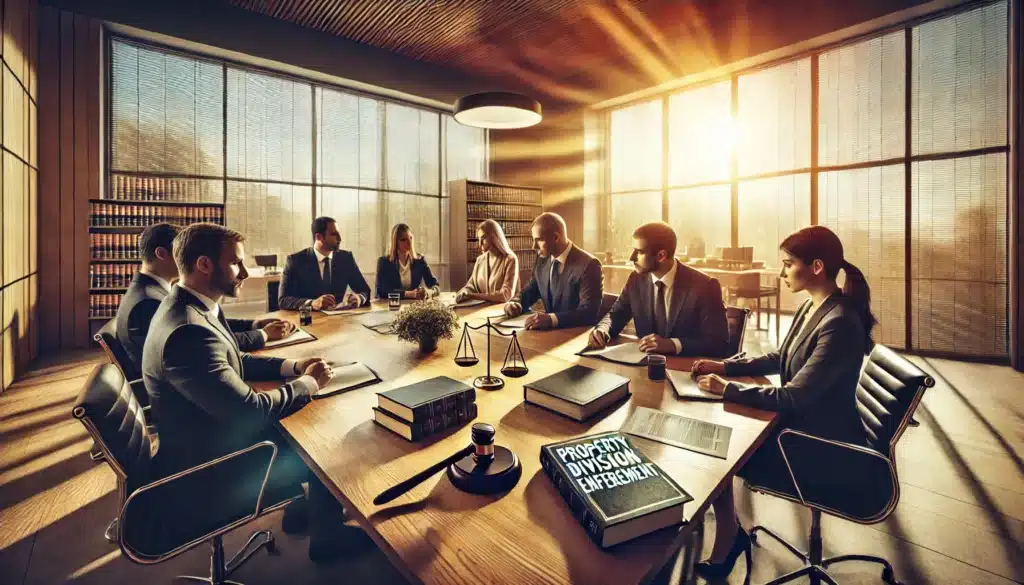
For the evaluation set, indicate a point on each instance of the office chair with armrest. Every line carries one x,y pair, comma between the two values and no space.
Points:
889,391
149,532
737,319
107,338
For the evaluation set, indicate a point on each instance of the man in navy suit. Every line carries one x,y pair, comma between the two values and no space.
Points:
320,274
676,310
567,279
151,285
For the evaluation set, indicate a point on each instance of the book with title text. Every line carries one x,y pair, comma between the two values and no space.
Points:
612,488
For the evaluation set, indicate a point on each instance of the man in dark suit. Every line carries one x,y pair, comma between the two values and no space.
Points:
153,282
195,375
321,274
567,280
676,310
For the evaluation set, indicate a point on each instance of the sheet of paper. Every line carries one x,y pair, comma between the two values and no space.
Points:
354,311
348,376
686,387
624,353
515,322
448,298
679,431
297,336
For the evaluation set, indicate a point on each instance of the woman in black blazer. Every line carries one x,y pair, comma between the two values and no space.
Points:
402,270
819,365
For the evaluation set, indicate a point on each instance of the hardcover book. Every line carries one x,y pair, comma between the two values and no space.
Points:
577,392
612,488
426,399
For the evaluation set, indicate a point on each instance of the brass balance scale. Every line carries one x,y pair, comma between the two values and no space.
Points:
513,366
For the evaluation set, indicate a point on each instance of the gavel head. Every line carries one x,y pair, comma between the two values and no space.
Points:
483,442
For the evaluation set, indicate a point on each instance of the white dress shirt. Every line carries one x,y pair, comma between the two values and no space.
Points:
669,279
405,273
288,367
163,283
320,264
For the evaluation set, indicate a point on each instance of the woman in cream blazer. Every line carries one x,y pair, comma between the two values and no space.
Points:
495,276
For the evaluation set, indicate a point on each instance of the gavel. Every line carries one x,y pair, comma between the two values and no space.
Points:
480,467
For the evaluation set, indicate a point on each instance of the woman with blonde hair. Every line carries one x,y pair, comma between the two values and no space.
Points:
495,276
402,270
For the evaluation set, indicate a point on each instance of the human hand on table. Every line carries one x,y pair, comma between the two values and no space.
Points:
654,343
539,321
712,383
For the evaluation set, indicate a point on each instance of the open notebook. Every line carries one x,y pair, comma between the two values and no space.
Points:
348,377
686,387
299,335
624,353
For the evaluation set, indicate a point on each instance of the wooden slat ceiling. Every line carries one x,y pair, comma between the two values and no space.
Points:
577,51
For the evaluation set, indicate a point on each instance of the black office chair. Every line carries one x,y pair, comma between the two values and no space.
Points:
889,391
106,337
112,415
737,321
268,262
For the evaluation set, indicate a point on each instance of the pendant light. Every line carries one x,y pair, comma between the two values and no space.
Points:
497,110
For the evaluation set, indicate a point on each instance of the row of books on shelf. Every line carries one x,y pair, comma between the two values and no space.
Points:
499,212
111,275
166,189
114,246
499,194
118,215
104,305
511,228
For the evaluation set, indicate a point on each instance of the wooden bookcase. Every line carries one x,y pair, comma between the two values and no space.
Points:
132,202
514,207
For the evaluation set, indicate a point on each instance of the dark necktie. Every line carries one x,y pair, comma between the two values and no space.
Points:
327,275
553,285
660,318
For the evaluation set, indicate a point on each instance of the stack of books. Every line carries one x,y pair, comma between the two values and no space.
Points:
425,408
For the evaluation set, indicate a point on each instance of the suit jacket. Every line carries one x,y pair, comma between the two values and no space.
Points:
135,313
696,317
502,279
578,298
389,280
819,368
301,280
194,374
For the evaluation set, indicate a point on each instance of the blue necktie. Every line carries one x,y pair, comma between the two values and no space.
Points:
553,285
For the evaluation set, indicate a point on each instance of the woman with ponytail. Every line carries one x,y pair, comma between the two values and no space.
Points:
819,365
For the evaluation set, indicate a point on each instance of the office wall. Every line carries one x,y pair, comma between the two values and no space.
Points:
18,235
1016,199
69,163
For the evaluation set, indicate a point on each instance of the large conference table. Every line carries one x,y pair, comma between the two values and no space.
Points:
437,534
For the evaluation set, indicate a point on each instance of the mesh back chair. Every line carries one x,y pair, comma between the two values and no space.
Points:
737,319
889,391
148,531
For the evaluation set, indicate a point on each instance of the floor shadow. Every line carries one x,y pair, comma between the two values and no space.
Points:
51,449
1014,548
63,415
13,414
977,413
21,489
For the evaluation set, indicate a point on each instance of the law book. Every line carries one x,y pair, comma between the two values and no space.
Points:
612,488
577,392
426,399
463,411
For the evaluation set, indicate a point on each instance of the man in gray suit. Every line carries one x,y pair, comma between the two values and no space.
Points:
195,375
676,310
567,279
149,287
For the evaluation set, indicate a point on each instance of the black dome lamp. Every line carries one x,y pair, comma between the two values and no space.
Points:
497,110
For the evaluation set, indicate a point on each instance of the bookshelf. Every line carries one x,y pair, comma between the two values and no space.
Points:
131,202
514,207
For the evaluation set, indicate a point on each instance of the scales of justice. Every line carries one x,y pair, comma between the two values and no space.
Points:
466,357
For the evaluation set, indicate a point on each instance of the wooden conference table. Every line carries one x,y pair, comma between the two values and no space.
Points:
436,534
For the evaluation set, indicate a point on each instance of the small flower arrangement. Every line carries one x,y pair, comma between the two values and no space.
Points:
425,322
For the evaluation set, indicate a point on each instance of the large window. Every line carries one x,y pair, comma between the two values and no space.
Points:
276,150
823,139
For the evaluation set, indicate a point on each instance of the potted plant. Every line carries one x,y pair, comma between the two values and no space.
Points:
426,322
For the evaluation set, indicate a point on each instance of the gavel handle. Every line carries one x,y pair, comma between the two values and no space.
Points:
399,489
